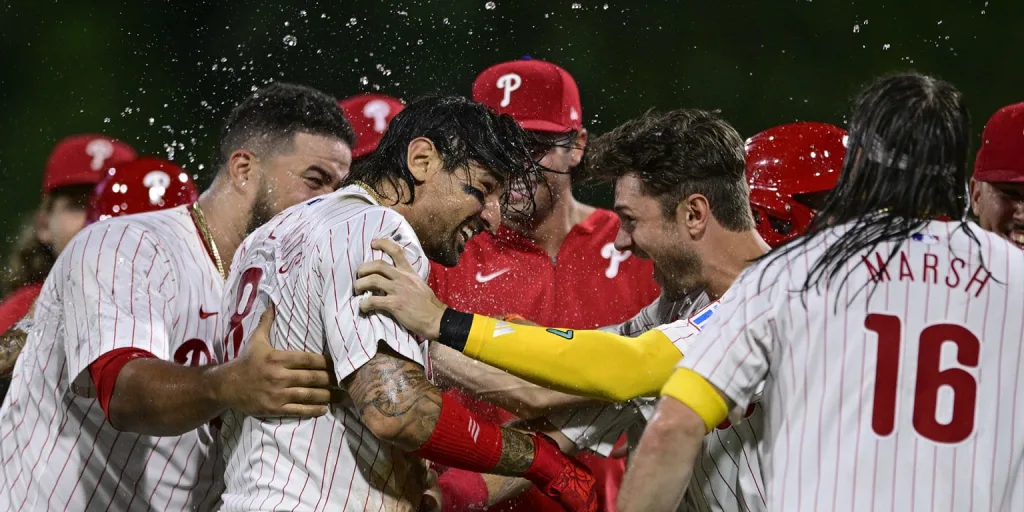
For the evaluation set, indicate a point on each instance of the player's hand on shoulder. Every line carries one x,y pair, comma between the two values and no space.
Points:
266,382
400,291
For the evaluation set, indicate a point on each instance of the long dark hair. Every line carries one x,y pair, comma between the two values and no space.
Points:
906,163
463,132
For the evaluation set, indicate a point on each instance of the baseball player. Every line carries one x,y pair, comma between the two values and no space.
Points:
552,252
73,168
997,187
369,114
729,477
151,189
432,184
113,397
886,338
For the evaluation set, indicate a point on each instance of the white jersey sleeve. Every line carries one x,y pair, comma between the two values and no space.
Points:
735,346
353,337
115,297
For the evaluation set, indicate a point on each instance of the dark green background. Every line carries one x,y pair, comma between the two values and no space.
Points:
70,67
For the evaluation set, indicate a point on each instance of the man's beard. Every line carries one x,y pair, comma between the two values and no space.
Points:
682,273
261,213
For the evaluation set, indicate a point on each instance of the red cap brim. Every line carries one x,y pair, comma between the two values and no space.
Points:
539,125
1000,176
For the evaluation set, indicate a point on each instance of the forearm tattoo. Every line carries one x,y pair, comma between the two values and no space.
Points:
516,453
395,394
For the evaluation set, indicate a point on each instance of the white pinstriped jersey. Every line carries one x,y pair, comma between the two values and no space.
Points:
728,474
305,260
906,398
142,281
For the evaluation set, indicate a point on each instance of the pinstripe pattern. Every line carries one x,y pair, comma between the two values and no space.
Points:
811,356
135,281
308,256
728,474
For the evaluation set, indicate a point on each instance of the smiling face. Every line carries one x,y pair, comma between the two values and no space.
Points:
454,207
649,233
1000,209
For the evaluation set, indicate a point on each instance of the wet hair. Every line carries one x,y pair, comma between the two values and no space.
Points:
268,120
676,154
463,132
542,142
906,163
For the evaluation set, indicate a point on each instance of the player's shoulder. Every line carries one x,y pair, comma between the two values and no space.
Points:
353,206
160,229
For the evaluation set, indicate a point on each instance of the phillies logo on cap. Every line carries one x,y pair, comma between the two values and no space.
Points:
157,183
508,83
100,150
377,110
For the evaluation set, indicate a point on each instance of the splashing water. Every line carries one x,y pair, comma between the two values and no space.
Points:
290,40
577,5
490,6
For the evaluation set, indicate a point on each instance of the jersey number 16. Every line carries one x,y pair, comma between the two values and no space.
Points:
928,381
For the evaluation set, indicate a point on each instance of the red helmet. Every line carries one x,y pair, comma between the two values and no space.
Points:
790,168
369,114
143,185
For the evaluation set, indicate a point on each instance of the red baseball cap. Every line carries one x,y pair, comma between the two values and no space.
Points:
539,95
83,160
369,115
1001,157
143,185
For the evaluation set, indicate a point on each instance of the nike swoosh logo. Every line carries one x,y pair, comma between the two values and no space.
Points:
205,314
481,278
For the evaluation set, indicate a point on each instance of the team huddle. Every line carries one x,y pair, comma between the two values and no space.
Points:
386,306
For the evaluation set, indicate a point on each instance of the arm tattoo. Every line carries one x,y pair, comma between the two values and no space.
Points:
393,394
516,453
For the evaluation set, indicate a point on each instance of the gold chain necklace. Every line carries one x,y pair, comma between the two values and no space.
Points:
369,190
204,232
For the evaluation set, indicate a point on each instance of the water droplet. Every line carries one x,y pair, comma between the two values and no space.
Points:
445,21
151,121
885,46
290,40
939,23
352,21
577,5
106,119
364,80
856,28
323,16
286,23
302,13
419,41
490,6
605,7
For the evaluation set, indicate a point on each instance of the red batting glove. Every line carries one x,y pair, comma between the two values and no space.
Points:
560,477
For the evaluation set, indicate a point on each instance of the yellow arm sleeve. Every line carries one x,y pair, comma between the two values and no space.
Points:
594,364
698,394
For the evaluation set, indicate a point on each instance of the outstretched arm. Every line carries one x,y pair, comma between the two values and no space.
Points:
595,364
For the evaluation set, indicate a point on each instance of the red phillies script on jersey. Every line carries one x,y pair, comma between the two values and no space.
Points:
589,284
